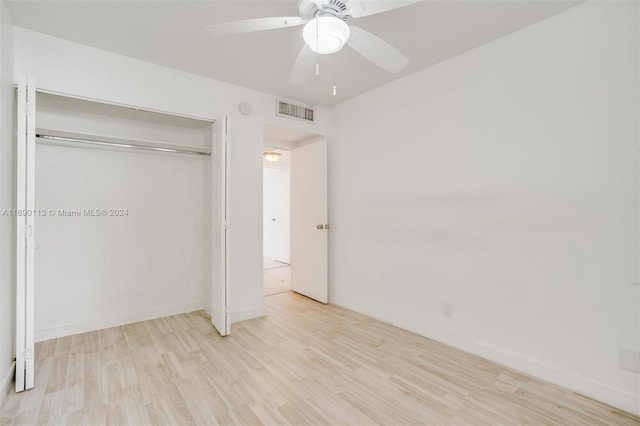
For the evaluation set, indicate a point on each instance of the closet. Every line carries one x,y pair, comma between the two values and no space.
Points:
130,216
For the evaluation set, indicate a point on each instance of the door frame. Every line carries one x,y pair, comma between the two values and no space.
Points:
288,146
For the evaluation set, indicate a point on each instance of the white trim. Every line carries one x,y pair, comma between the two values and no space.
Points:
583,385
5,387
258,312
21,226
277,144
226,229
207,310
30,237
84,327
309,141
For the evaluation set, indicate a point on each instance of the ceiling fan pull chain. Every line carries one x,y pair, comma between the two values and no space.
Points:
317,44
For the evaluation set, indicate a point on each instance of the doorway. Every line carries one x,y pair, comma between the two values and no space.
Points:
276,220
295,228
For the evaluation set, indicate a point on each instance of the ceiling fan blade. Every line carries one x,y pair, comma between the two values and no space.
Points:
253,25
377,50
360,8
303,67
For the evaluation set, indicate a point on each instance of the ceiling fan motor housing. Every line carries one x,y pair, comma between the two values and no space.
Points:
309,9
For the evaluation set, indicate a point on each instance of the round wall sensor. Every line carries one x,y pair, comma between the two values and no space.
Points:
245,108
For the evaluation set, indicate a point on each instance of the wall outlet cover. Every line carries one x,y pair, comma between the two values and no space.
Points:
447,310
629,360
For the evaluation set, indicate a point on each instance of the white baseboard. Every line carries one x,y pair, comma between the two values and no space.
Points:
207,309
84,327
247,315
583,385
7,380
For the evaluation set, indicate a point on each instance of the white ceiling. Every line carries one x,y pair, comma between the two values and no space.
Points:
171,33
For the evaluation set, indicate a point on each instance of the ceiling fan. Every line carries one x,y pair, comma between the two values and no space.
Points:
326,31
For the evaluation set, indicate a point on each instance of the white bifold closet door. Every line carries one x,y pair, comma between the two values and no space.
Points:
25,246
220,228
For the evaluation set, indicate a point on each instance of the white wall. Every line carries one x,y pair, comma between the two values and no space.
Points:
7,201
60,115
95,272
503,182
71,68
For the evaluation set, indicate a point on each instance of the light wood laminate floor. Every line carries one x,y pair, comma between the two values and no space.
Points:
271,263
305,363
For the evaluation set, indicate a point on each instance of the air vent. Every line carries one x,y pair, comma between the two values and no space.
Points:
289,109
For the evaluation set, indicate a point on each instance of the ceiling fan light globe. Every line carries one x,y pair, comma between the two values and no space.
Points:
326,34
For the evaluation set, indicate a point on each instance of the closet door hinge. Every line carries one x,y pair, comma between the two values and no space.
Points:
27,354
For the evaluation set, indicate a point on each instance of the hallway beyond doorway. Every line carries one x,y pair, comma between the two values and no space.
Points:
277,277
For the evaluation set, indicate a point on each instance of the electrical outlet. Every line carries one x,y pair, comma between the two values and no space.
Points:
447,310
629,360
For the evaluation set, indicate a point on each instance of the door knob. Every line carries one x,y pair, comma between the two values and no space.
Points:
321,226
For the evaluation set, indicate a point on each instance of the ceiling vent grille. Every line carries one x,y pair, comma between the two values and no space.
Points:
292,110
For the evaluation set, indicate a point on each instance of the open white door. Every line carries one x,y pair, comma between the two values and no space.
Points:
309,225
25,254
220,228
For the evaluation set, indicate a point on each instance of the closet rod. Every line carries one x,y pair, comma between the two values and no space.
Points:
119,145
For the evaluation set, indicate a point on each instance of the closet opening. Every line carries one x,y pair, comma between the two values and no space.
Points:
130,212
